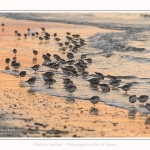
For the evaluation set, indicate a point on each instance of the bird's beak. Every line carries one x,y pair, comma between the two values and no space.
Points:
132,86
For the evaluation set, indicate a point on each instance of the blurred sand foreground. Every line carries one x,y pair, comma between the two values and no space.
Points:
23,114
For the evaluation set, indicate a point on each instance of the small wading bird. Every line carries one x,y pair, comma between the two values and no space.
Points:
104,87
7,60
35,67
126,87
132,99
70,88
94,100
50,81
35,52
115,83
31,81
143,99
22,74
15,51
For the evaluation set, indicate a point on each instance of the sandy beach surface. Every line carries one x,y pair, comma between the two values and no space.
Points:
24,114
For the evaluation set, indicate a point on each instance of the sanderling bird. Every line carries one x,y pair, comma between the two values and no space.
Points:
66,43
25,35
74,49
36,33
70,88
132,99
19,35
68,33
62,61
63,49
85,74
83,56
115,83
99,75
35,67
56,57
94,100
60,44
104,87
66,71
95,84
46,58
46,38
143,99
112,77
28,29
31,81
35,52
89,60
70,46
70,56
7,60
48,54
73,73
48,75
50,82
55,34
70,62
22,74
94,80
16,32
16,66
3,25
126,87
43,29
33,35
15,51
57,39
41,38
80,67
56,66
12,63
67,81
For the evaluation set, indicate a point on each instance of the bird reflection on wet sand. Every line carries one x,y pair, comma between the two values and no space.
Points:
147,122
70,100
34,60
94,111
132,114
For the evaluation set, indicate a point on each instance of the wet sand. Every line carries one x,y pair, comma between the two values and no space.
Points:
27,114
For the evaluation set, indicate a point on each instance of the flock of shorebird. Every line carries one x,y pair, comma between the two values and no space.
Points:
74,67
